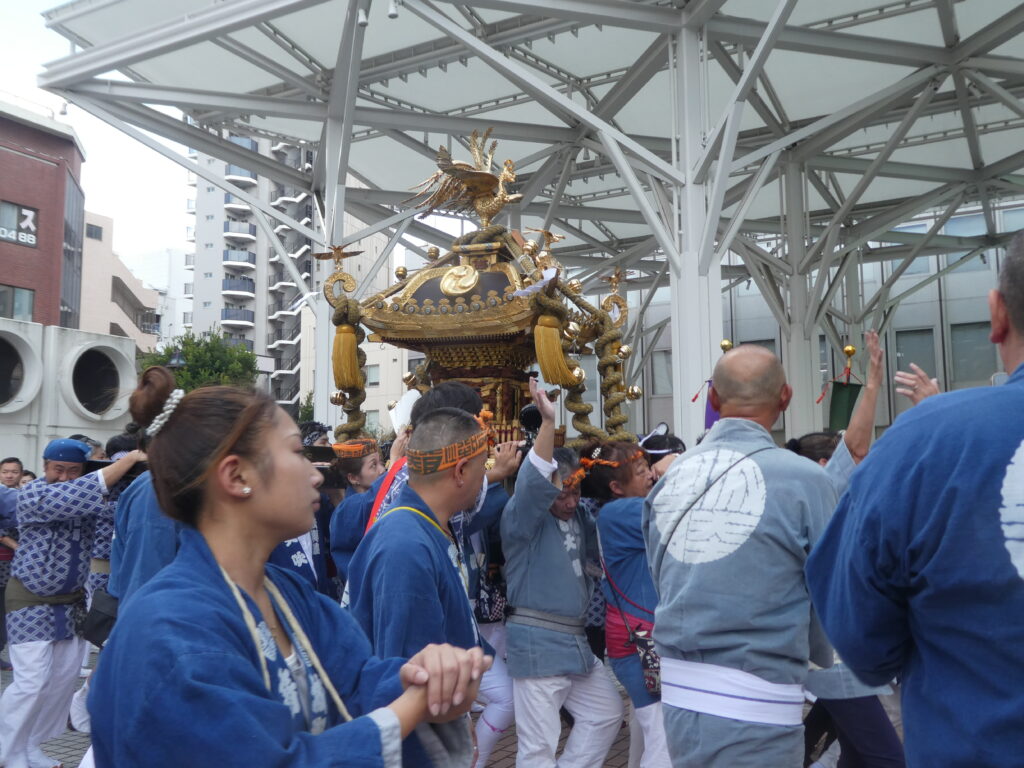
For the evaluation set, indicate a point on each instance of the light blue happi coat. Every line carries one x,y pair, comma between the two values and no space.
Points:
57,522
730,575
544,571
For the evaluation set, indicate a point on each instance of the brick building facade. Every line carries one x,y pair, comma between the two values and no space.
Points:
41,219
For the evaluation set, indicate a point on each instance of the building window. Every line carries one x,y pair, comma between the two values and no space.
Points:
918,347
93,232
207,274
206,304
186,318
372,375
661,372
210,189
16,303
966,226
973,355
209,217
207,245
372,421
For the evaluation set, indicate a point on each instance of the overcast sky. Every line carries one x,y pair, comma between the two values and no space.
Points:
142,191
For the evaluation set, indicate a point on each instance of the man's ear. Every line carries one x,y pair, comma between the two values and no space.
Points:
785,396
716,402
459,472
1000,317
616,488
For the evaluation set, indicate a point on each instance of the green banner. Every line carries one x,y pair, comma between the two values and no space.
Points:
840,409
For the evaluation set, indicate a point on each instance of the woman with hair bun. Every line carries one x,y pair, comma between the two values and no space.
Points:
221,659
618,474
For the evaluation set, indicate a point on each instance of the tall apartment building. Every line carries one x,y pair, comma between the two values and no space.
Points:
241,290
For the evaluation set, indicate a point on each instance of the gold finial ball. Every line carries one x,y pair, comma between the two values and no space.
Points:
401,272
409,378
574,287
392,404
338,397
433,253
849,350
625,351
634,392
579,374
726,345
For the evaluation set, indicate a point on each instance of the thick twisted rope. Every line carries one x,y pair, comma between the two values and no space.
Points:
485,235
609,368
544,304
348,311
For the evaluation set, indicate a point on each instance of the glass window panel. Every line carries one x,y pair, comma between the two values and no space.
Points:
373,420
973,355
24,299
6,301
372,375
661,372
918,347
966,226
1013,220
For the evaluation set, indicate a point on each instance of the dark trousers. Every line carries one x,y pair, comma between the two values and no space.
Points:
866,736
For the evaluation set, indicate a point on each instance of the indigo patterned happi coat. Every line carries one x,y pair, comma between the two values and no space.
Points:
181,682
57,523
921,574
145,540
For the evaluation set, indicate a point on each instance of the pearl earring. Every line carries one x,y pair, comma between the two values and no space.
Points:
247,490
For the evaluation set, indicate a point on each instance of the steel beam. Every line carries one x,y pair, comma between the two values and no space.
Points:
740,214
381,259
191,28
540,90
875,102
992,35
610,12
697,13
287,261
997,91
268,64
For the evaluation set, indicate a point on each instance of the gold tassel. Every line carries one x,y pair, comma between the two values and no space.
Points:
346,363
547,341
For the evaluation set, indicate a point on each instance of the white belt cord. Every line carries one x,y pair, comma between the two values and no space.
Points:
732,693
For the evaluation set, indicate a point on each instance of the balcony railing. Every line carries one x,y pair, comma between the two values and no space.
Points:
237,315
287,394
243,284
238,173
190,261
233,201
239,228
242,257
245,141
247,343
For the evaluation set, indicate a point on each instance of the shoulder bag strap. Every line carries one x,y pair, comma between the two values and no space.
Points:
659,555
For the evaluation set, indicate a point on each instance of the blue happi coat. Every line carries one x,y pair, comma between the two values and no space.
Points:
56,523
545,571
181,682
921,574
407,583
145,540
291,555
730,574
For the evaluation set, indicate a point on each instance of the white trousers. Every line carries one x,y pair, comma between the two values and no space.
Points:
592,701
34,708
499,712
652,726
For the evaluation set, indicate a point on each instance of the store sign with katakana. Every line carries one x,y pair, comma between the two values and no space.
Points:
19,224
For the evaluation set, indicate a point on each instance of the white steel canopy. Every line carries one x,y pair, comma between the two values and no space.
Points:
787,138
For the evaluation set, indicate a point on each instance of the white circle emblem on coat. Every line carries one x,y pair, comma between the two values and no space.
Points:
1011,513
723,518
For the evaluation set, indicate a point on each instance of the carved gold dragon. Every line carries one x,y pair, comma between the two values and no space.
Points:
458,187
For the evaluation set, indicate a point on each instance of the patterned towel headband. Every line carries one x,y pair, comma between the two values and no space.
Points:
161,418
355,449
446,457
573,480
591,461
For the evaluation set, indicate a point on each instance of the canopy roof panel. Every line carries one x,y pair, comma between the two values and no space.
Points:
621,115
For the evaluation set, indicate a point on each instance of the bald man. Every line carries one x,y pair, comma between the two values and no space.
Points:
728,529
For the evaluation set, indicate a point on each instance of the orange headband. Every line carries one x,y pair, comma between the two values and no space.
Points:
587,462
574,479
355,449
446,457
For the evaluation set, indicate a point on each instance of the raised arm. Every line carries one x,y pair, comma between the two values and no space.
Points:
862,423
544,445
915,385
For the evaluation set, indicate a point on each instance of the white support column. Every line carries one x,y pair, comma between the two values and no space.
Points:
696,319
800,345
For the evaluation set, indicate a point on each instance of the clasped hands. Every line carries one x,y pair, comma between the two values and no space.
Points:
445,679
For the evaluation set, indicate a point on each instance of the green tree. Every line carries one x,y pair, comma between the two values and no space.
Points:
306,408
207,361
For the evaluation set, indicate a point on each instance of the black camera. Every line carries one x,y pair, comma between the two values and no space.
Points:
529,420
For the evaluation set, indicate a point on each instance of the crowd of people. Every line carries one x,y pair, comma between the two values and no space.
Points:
267,620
